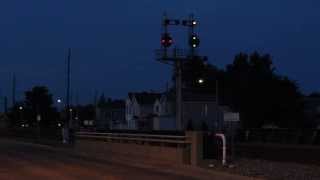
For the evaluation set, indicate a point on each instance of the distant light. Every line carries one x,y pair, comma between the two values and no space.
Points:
22,125
194,45
200,81
59,124
194,38
70,110
59,100
26,125
194,22
76,118
20,107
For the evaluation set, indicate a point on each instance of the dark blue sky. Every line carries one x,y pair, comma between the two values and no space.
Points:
113,41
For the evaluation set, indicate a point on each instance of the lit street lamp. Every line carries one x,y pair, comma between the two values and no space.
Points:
21,114
200,81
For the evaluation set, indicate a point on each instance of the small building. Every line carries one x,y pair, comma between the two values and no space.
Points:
199,112
111,115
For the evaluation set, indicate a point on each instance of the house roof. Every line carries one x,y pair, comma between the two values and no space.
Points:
145,98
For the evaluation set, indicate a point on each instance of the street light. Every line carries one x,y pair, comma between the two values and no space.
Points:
21,114
200,81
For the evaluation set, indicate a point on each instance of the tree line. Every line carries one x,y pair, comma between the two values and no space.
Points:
251,86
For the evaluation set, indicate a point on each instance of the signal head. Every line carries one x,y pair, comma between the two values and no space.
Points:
166,40
194,41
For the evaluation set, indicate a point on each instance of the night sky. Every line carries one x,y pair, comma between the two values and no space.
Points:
113,41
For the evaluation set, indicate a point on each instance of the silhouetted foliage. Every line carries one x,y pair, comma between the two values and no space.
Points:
250,86
38,101
16,115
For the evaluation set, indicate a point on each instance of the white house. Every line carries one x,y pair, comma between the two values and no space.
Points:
164,109
155,111
140,110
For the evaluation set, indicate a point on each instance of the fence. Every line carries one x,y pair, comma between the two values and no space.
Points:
164,148
161,140
282,136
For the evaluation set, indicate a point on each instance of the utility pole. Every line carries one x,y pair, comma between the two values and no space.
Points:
172,58
68,122
14,89
217,92
68,88
76,118
179,102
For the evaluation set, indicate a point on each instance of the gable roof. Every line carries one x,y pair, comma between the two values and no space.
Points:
145,98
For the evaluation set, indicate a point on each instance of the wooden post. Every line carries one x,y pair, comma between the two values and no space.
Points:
196,154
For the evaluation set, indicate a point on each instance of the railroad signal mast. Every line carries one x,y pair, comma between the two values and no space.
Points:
176,57
193,39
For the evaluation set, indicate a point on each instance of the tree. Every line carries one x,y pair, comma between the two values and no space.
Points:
196,69
38,101
262,96
16,115
251,86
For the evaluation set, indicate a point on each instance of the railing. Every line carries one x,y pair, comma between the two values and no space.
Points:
136,138
283,136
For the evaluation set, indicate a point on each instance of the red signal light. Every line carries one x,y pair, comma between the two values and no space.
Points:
166,40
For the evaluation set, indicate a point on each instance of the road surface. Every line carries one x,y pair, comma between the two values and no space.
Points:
29,161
